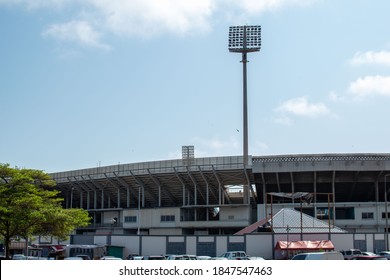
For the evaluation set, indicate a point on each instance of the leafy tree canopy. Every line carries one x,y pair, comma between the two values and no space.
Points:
30,205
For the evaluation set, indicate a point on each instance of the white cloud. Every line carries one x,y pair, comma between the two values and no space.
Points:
256,6
371,57
154,17
145,18
300,106
81,32
39,4
370,85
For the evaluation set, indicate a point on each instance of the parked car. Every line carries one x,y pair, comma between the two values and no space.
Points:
73,259
174,257
365,257
319,256
110,258
155,258
84,257
369,254
256,258
385,254
202,258
181,257
189,257
235,255
36,258
351,253
19,257
132,256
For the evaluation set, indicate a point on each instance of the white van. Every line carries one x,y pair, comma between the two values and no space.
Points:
319,256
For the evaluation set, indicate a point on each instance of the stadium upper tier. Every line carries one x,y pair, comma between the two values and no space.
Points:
205,182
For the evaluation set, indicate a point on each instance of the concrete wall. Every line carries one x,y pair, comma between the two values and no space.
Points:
237,216
234,213
151,218
255,245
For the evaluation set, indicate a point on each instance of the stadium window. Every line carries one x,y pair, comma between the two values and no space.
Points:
345,213
384,215
367,215
130,219
323,213
167,218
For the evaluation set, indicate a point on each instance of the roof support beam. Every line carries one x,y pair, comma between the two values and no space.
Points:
129,190
183,186
250,192
207,186
195,186
109,179
97,187
277,181
292,186
377,186
222,190
354,183
334,195
140,185
158,184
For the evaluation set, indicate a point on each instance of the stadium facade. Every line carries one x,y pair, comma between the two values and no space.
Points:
221,195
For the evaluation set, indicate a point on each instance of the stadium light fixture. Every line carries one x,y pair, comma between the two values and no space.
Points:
244,39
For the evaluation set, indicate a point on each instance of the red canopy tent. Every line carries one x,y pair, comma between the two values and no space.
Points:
321,245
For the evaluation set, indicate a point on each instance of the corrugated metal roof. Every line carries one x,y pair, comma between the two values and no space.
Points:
292,221
297,222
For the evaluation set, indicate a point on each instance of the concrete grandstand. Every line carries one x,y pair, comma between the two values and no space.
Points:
217,195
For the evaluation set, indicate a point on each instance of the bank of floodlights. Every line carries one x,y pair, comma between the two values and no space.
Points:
243,39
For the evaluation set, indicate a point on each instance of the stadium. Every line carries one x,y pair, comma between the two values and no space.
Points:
222,195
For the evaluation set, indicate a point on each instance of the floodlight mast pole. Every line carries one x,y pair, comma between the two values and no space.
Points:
245,101
238,42
386,217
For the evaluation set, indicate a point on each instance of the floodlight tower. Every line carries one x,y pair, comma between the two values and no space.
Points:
245,39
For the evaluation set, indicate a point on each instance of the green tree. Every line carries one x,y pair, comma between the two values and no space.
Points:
30,205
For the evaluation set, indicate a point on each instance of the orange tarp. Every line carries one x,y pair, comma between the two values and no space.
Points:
305,245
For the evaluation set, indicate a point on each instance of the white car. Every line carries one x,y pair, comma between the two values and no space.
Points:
110,258
385,254
235,255
333,255
19,257
202,258
369,254
256,258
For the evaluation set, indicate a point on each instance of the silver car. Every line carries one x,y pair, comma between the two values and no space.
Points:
384,254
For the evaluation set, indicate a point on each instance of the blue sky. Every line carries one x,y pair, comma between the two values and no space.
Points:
100,82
